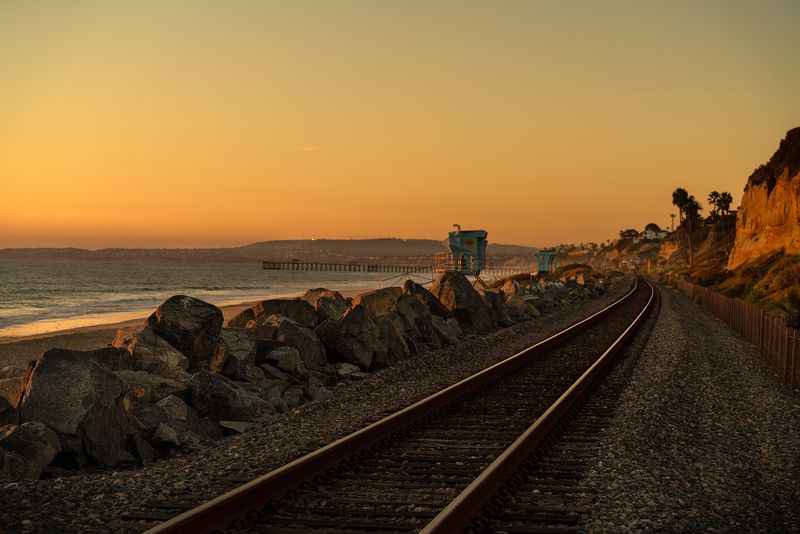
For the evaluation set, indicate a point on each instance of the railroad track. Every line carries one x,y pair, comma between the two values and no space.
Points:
444,463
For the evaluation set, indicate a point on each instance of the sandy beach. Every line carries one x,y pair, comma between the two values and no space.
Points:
18,351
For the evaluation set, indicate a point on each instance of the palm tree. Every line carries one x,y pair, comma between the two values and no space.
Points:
688,209
725,200
680,198
692,215
714,200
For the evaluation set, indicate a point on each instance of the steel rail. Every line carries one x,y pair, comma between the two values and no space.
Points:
233,507
467,505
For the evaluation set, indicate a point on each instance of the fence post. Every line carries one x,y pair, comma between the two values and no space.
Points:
793,378
786,356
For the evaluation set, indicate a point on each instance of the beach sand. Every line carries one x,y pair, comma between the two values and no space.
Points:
18,351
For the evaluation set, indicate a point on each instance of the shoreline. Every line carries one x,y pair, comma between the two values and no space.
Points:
20,350
228,311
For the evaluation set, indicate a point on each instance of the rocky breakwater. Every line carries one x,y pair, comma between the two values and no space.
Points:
184,379
527,295
768,220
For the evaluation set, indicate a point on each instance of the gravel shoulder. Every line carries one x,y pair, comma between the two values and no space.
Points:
95,502
705,438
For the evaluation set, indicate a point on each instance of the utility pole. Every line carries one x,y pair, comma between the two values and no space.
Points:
672,215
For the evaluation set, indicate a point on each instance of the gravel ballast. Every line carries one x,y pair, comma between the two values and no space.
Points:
95,502
705,439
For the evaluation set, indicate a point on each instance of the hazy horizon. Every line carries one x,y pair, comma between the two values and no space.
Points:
150,125
245,245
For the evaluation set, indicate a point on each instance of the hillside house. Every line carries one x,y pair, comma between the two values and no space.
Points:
653,232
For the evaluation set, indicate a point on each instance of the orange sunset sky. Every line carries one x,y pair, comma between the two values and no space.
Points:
152,123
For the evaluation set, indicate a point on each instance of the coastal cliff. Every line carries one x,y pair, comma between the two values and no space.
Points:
769,217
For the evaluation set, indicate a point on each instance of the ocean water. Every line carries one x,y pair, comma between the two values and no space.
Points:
41,297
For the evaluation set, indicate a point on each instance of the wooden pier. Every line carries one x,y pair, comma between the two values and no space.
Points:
492,272
345,267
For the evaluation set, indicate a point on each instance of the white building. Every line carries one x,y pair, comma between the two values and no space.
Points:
653,233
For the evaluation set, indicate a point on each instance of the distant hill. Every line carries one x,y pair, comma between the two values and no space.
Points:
387,249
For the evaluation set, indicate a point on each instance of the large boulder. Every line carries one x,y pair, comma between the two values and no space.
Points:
379,301
190,325
8,413
13,466
172,414
271,372
329,304
418,321
34,443
220,398
532,308
176,409
149,387
264,346
152,353
447,330
434,305
294,396
190,426
289,360
511,287
517,308
392,336
165,435
497,305
288,332
273,392
238,351
316,391
10,389
296,309
12,371
84,402
457,295
355,338
344,369
522,308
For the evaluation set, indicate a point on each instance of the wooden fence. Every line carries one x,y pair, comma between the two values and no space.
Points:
779,345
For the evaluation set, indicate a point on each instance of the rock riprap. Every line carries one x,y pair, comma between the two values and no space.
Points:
183,380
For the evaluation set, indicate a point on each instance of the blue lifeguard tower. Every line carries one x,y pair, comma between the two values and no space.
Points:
545,260
468,250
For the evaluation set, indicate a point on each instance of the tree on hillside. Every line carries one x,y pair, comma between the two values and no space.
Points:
689,211
680,198
692,212
725,201
713,202
720,203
